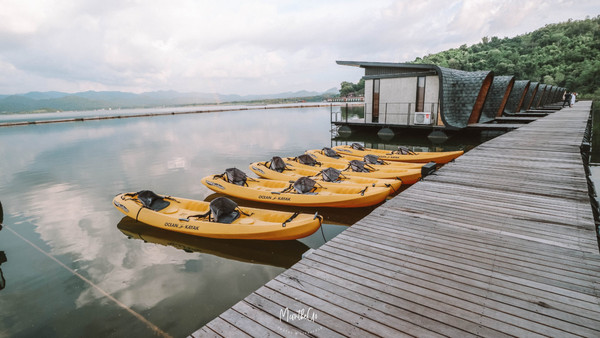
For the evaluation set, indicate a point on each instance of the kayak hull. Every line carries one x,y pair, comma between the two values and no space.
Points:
257,224
407,176
419,157
345,159
261,169
326,194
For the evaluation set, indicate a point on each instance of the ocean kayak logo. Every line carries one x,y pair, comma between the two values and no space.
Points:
305,319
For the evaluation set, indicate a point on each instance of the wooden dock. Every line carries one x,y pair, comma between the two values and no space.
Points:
499,243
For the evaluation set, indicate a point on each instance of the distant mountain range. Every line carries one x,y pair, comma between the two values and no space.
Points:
58,101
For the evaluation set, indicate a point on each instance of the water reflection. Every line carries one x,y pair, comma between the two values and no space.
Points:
2,260
282,254
2,253
61,179
414,140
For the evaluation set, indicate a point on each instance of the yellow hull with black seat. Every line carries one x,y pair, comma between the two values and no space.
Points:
341,158
264,170
402,155
283,192
192,217
408,176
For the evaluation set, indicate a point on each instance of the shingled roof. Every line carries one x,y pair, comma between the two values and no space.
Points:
533,88
517,96
537,99
463,95
497,98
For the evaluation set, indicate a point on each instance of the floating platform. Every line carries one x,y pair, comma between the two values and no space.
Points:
501,242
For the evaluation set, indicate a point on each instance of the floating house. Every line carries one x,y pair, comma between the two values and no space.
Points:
497,98
539,95
424,96
517,96
421,95
533,88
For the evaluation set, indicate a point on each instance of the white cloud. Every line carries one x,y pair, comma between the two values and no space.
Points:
239,46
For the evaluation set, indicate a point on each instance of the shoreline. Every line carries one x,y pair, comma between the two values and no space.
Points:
124,116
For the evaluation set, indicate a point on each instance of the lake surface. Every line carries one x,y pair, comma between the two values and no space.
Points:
75,266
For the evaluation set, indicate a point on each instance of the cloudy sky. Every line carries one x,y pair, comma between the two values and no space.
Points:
241,47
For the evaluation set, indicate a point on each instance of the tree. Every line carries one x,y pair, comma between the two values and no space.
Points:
349,88
346,88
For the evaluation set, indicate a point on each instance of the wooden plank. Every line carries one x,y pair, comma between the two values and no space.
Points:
469,295
335,319
259,316
368,318
249,326
474,268
534,263
204,332
470,309
272,307
225,329
475,282
491,263
412,231
389,311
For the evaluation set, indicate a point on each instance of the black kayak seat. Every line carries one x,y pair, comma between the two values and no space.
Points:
152,201
224,210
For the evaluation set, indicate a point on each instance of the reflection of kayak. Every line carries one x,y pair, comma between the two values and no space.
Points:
407,176
402,155
264,170
192,217
283,192
341,158
274,253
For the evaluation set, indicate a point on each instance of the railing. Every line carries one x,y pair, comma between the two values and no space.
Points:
352,112
399,113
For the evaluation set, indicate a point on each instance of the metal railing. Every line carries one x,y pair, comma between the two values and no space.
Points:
348,112
399,113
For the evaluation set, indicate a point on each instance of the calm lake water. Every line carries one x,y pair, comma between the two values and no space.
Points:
75,266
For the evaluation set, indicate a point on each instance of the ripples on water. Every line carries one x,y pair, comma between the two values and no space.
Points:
75,267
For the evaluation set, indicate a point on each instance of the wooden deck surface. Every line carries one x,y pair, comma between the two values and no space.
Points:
500,242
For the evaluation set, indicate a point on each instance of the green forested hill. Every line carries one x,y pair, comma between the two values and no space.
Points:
565,54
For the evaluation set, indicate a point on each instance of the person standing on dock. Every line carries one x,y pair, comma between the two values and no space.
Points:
567,99
573,97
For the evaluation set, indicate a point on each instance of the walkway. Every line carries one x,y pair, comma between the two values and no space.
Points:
499,243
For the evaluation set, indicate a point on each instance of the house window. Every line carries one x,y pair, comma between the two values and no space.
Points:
420,106
375,117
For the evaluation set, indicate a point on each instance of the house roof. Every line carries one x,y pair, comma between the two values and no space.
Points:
497,97
517,96
533,88
537,99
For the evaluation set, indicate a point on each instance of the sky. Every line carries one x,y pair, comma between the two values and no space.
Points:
242,47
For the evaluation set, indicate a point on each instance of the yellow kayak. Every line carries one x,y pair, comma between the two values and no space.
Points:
266,170
328,155
403,155
361,169
302,192
225,219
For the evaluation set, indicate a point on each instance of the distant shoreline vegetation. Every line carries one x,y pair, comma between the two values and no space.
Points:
50,102
565,54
